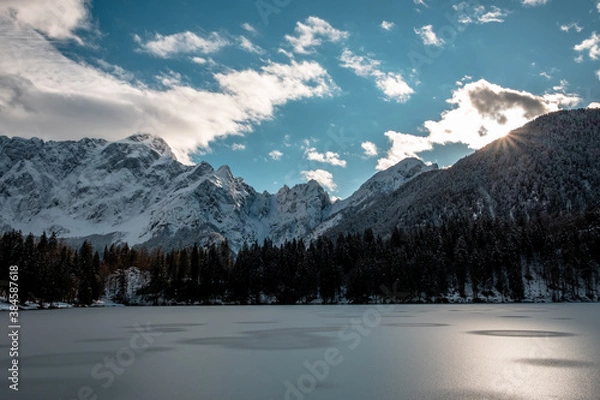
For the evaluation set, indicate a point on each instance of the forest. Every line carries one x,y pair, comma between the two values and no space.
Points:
424,264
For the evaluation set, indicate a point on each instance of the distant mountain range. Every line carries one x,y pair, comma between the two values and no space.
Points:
135,191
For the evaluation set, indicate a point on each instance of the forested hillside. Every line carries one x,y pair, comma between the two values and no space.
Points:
546,169
465,260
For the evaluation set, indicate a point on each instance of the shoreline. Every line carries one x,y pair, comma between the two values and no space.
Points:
4,306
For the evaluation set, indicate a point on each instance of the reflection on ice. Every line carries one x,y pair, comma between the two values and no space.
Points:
100,340
62,359
522,333
555,362
415,324
274,339
470,394
256,322
174,327
179,325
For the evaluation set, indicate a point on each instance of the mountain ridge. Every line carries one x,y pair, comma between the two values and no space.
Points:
134,191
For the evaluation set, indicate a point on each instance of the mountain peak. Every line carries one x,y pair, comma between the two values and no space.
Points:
313,184
154,142
388,180
224,172
140,137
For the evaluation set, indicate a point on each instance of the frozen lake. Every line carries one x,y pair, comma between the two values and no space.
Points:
310,352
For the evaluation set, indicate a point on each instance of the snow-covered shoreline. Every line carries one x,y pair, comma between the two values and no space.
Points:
124,287
4,306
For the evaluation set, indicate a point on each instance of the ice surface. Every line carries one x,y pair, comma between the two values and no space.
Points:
279,352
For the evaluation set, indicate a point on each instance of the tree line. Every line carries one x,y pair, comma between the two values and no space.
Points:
480,258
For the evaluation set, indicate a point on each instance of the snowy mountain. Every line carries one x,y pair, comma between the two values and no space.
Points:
372,191
544,170
135,191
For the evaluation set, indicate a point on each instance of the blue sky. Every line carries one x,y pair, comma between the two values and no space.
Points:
284,91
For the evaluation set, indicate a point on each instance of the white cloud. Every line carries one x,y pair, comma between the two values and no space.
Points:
479,14
115,70
276,84
286,53
249,28
325,178
199,60
533,3
45,94
55,19
403,146
312,33
391,84
573,25
286,141
250,47
328,157
428,36
482,113
594,105
238,147
598,6
591,45
170,79
387,25
370,149
598,74
394,87
562,87
181,43
546,75
362,66
275,155
495,15
421,3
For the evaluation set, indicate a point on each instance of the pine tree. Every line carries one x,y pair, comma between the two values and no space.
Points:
85,258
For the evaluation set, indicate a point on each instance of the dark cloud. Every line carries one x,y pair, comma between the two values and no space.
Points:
483,131
493,105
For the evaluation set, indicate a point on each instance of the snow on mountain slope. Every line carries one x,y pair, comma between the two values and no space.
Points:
372,191
135,191
384,182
